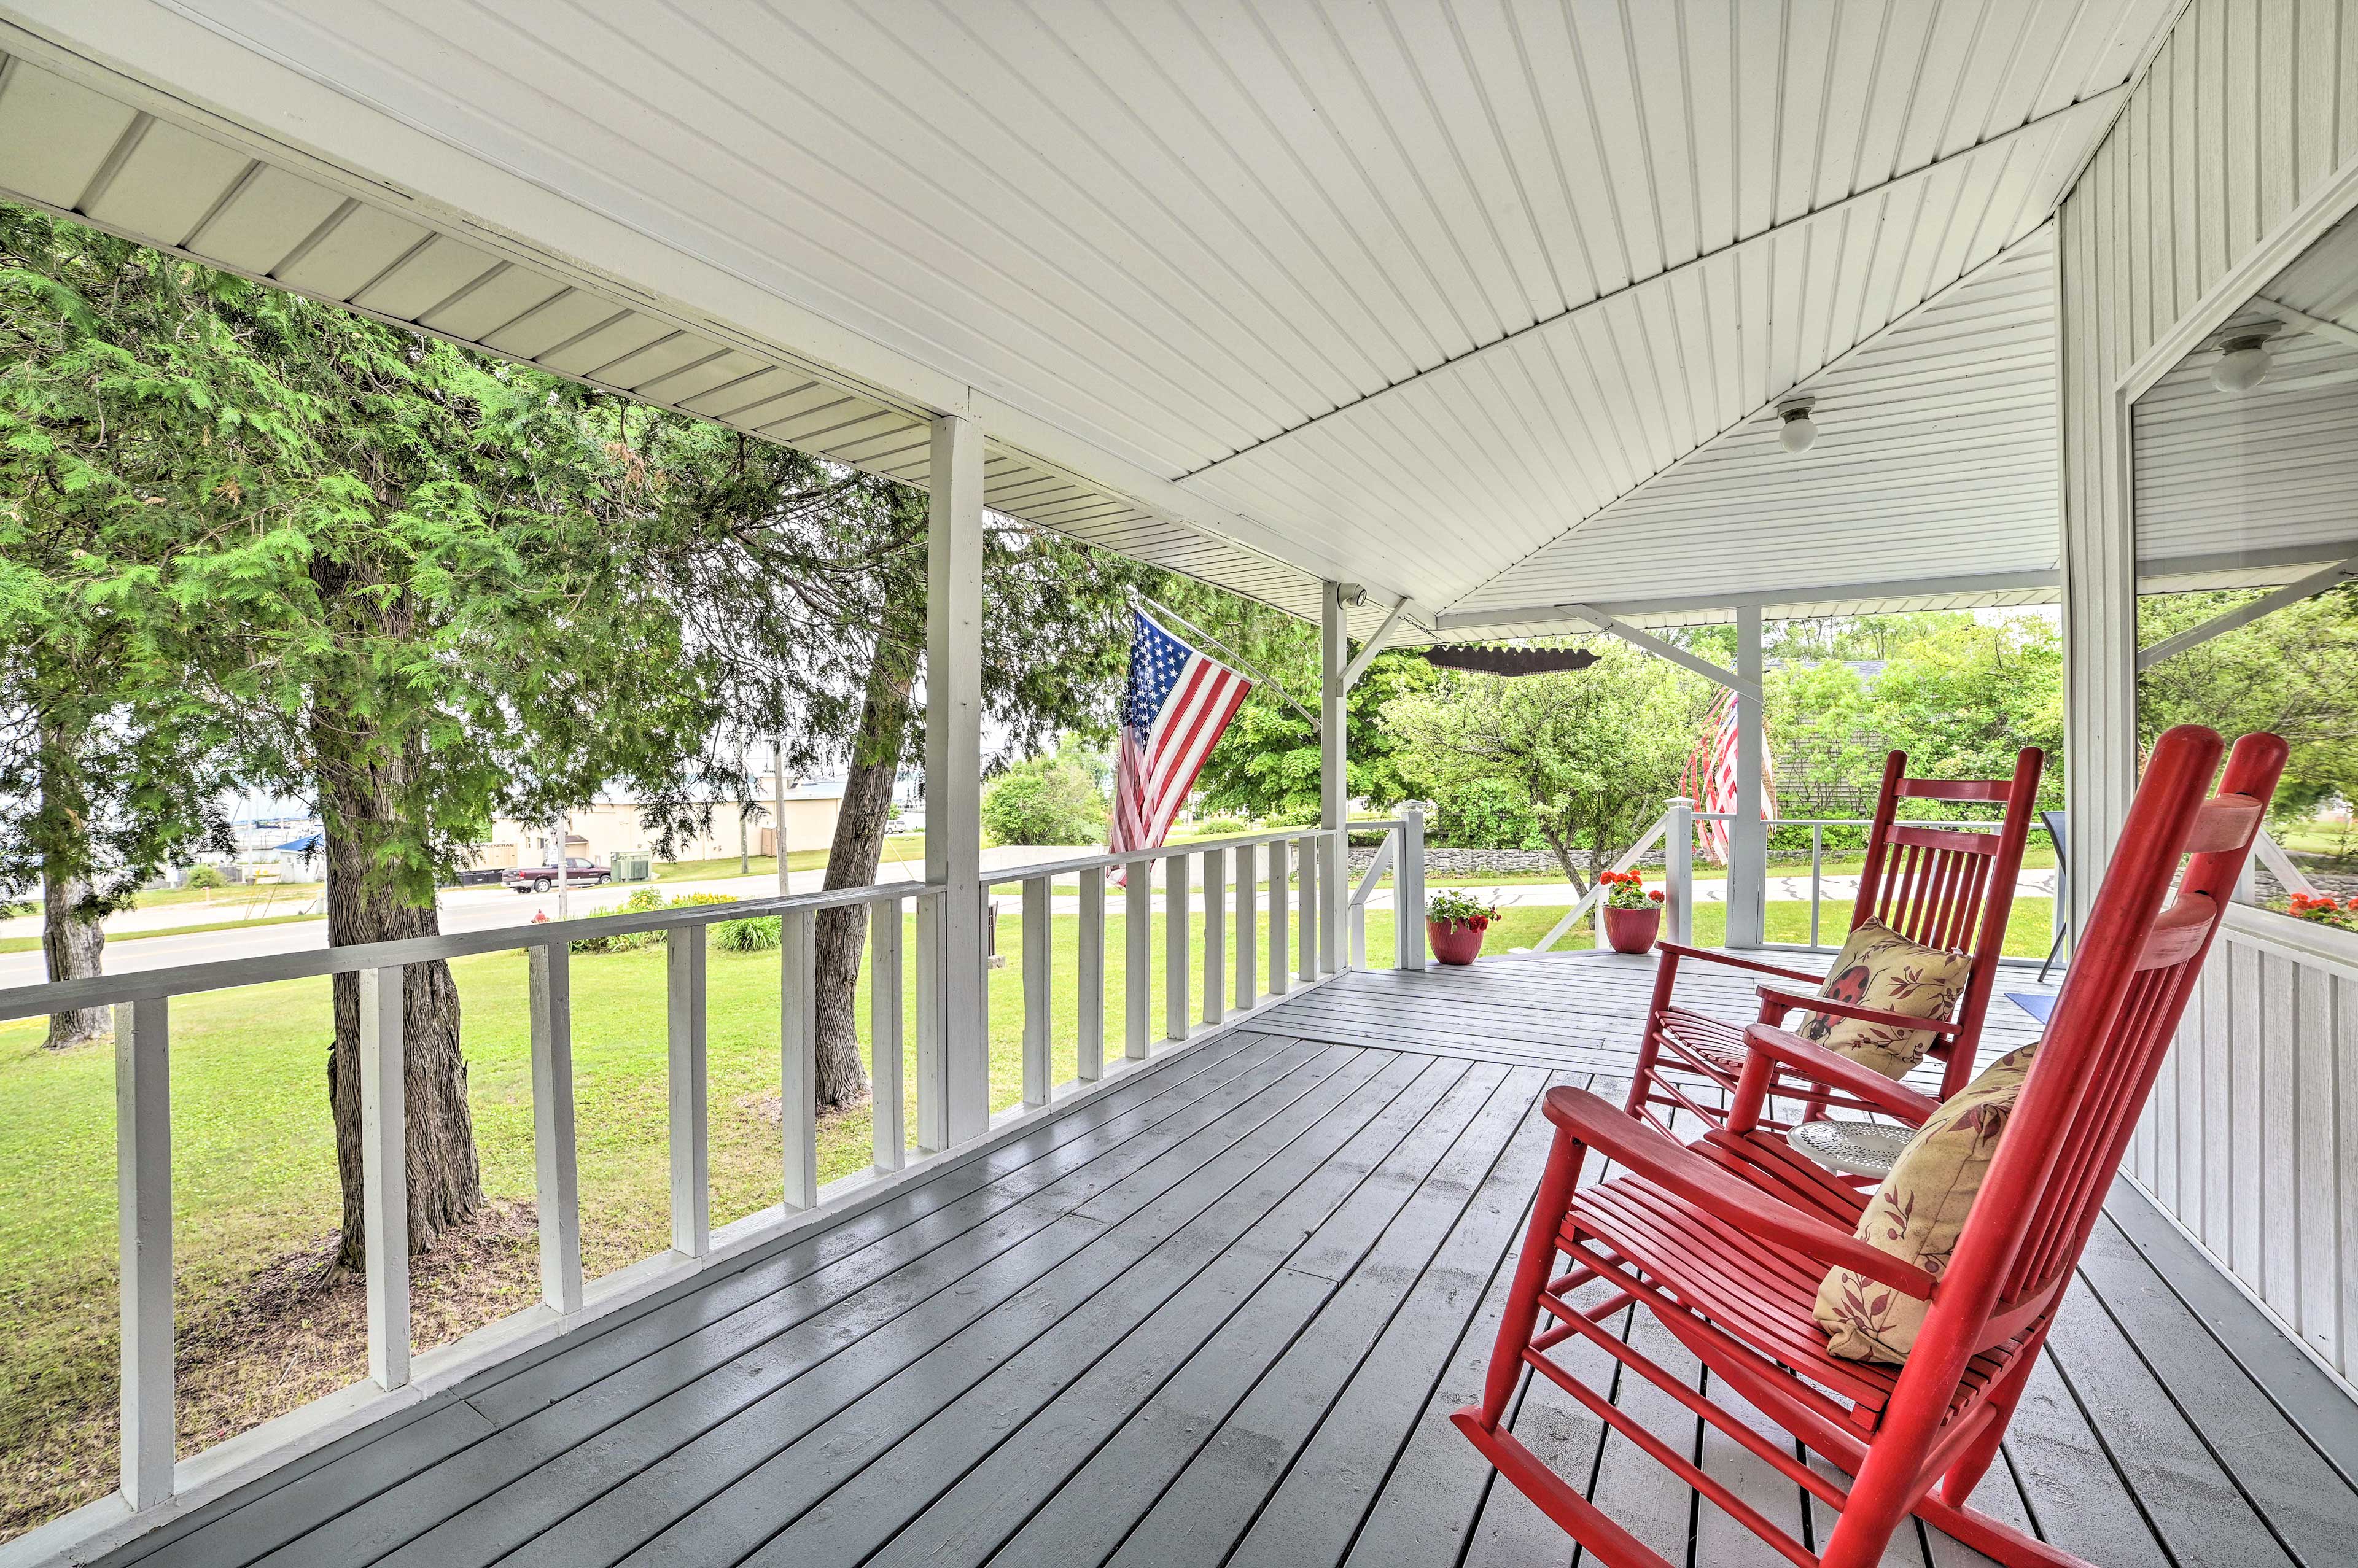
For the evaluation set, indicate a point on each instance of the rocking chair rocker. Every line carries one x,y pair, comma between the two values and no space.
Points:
1936,885
1725,1240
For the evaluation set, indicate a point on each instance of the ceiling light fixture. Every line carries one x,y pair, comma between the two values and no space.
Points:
2243,362
1799,432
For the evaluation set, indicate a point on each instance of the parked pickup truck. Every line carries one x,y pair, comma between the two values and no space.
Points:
578,872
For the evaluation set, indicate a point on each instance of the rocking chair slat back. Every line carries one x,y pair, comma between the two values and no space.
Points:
2120,1008
1950,887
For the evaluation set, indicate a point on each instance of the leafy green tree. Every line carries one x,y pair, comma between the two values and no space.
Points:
104,775
1045,800
1595,753
357,564
2294,671
1964,698
818,622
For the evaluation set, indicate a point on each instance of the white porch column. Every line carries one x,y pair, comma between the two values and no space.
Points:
1748,870
1334,781
960,1076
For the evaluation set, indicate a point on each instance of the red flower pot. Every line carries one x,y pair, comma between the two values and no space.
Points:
1631,930
1456,941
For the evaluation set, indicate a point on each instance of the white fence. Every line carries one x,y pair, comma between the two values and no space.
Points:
1310,907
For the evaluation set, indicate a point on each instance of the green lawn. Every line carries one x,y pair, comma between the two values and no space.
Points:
254,1158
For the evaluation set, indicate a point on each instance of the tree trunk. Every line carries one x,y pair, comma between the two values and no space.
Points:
73,943
445,1183
851,861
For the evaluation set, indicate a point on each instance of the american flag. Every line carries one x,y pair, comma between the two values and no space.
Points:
1710,779
1176,705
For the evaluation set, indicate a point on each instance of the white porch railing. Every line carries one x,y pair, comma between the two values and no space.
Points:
1238,975
1675,830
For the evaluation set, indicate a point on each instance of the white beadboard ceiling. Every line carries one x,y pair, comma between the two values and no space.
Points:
1483,304
2258,487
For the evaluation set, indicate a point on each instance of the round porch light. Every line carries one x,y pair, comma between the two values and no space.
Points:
1799,432
2242,363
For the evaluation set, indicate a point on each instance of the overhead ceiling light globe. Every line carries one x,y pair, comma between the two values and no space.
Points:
2242,363
1799,432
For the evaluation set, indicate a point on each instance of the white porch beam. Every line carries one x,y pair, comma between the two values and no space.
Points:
1748,870
2296,317
1373,646
1955,585
1737,682
2244,614
961,1070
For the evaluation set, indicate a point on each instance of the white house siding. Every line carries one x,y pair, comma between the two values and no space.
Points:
2247,113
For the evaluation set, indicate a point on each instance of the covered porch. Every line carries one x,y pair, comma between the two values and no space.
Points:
1220,1312
1508,325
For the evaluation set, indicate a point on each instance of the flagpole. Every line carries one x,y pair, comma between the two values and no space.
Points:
1248,667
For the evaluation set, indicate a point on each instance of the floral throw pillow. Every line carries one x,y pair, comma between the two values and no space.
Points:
1880,969
1919,1211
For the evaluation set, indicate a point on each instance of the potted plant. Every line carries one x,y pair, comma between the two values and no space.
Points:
1455,923
1633,916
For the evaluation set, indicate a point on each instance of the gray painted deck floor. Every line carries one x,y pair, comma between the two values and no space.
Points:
1218,1313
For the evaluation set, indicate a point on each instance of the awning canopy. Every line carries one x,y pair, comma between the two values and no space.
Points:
1487,306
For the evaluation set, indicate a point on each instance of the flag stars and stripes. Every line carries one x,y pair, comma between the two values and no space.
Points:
1177,703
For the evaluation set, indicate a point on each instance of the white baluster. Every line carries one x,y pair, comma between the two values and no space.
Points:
385,1174
1037,925
888,1111
1247,926
798,1056
691,1133
142,1176
1138,929
1216,926
555,1161
1281,894
1089,1049
1174,947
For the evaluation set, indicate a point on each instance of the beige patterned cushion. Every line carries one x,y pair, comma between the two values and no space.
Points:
1879,968
1919,1211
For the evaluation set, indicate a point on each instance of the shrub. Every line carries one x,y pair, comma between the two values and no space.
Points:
757,933
1223,827
208,877
646,901
1047,800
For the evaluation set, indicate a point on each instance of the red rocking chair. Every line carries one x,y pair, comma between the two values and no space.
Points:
1725,1240
1936,885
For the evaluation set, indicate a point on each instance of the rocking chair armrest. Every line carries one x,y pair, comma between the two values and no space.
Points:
1770,1043
1791,1000
1716,955
1677,1169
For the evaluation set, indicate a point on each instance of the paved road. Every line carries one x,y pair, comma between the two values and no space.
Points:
479,909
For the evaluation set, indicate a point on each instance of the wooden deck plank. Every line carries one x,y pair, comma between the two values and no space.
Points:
1318,1509
1221,1313
736,1414
1139,1498
994,1498
869,1494
2293,1485
534,1451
